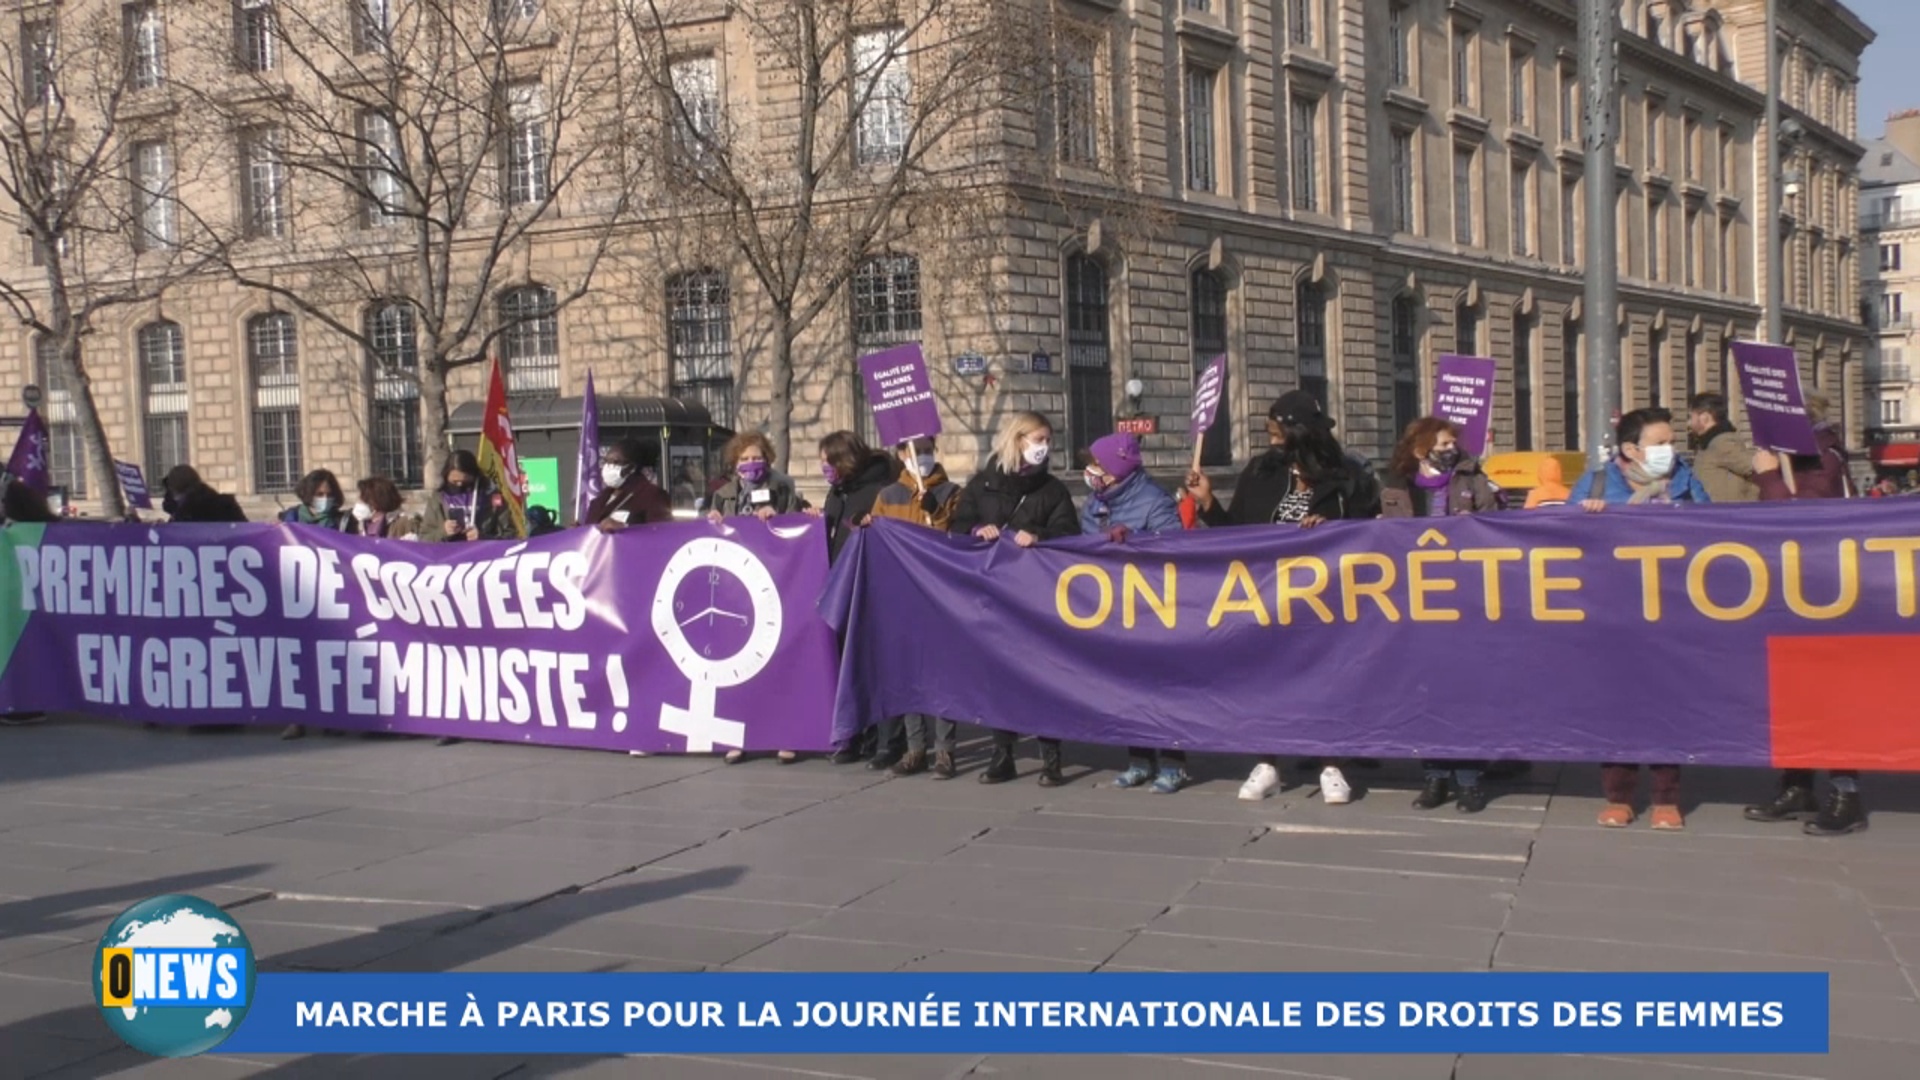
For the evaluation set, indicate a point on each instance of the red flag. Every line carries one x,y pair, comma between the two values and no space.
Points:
499,459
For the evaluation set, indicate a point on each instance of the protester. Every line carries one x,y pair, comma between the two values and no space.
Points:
925,497
189,500
1822,476
855,476
628,497
1551,487
320,503
1125,501
463,508
1644,472
1306,478
1429,477
21,505
1720,458
754,487
1016,498
378,515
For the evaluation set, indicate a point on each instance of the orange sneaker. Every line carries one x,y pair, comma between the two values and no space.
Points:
1668,819
1616,815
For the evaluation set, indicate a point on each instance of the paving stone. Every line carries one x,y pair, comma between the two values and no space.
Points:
1463,946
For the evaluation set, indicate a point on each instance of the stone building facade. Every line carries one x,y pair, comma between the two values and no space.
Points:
1890,226
1332,192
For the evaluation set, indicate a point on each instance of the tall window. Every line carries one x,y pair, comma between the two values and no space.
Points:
1210,340
1310,334
1690,243
37,44
1522,211
1569,105
510,12
1656,239
1570,219
1089,353
380,170
157,226
1300,21
1463,163
1656,137
1463,95
1400,162
1306,195
530,341
1889,256
1570,384
1077,99
66,450
526,160
1518,89
886,311
700,342
1200,128
256,44
1690,148
1892,411
372,25
1729,269
1656,368
1522,383
146,45
1399,44
1693,365
273,355
1890,309
696,107
1466,330
393,373
1406,363
264,193
881,90
163,378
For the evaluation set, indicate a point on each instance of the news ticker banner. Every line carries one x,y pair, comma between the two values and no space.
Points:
1774,634
174,976
686,637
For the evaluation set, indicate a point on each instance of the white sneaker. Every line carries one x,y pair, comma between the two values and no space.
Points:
1333,787
636,753
1264,781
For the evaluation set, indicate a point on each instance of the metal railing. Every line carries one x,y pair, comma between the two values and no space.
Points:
1889,219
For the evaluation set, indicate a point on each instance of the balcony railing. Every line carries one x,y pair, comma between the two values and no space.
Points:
1889,219
1889,373
1898,324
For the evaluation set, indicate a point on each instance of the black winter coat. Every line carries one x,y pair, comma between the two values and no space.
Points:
203,504
851,500
1351,494
1035,502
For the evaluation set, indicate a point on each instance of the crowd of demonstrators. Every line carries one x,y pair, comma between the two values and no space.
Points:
754,487
923,496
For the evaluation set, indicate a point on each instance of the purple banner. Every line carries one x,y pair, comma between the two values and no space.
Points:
1776,409
900,393
683,637
1463,393
586,476
133,485
1206,395
1740,635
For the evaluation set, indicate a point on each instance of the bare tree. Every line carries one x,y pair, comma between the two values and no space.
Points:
94,156
424,150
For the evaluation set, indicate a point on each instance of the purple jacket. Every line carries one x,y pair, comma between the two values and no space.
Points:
1823,477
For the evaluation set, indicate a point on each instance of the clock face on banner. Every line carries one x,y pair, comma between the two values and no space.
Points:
718,613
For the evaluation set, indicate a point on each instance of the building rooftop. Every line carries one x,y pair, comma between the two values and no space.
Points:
1886,164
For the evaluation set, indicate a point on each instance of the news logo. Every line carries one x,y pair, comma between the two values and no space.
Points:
173,976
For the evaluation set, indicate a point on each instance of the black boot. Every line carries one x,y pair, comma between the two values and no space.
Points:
1843,814
999,769
1434,795
1471,800
1792,803
847,755
1050,765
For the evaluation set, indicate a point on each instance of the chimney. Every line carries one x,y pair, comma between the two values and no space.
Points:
1903,131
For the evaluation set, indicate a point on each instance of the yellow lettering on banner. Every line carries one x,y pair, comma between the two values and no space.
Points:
1308,594
1133,587
1352,588
1649,559
1064,601
1758,581
1238,583
1490,560
1419,585
1543,585
1902,549
1795,585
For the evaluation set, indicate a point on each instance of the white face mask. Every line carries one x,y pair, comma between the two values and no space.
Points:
924,465
323,504
1657,460
613,475
1037,454
362,512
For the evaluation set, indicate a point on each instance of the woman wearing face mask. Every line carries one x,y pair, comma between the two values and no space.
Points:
855,476
1430,478
462,508
925,497
1016,498
1124,501
628,498
377,513
755,488
1645,473
1305,478
320,502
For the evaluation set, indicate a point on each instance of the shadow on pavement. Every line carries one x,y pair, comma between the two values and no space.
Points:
65,911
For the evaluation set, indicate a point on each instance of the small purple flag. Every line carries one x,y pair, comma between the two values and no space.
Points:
133,484
586,482
29,461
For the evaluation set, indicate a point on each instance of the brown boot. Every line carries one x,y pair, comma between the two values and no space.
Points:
912,763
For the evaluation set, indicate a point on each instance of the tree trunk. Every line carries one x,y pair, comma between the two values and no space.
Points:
434,415
100,472
780,403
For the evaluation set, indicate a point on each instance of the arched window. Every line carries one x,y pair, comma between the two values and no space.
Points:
163,378
66,451
1209,313
1089,354
886,311
700,342
1310,336
530,342
393,376
273,357
1406,363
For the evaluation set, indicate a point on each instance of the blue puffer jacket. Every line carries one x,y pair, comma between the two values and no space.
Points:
1682,487
1138,503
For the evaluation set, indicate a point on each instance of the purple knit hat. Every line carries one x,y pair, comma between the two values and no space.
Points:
1117,455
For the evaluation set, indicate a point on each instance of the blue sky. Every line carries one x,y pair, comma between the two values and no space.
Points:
1887,82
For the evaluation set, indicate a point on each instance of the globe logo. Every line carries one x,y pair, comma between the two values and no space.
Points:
173,976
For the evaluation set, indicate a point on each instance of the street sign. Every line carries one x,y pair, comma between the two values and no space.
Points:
1138,425
1042,364
970,363
31,396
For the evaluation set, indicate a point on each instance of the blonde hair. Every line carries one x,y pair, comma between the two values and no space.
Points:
1007,448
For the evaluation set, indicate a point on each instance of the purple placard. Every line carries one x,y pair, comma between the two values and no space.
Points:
133,485
669,638
1463,394
901,394
1206,395
1776,409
